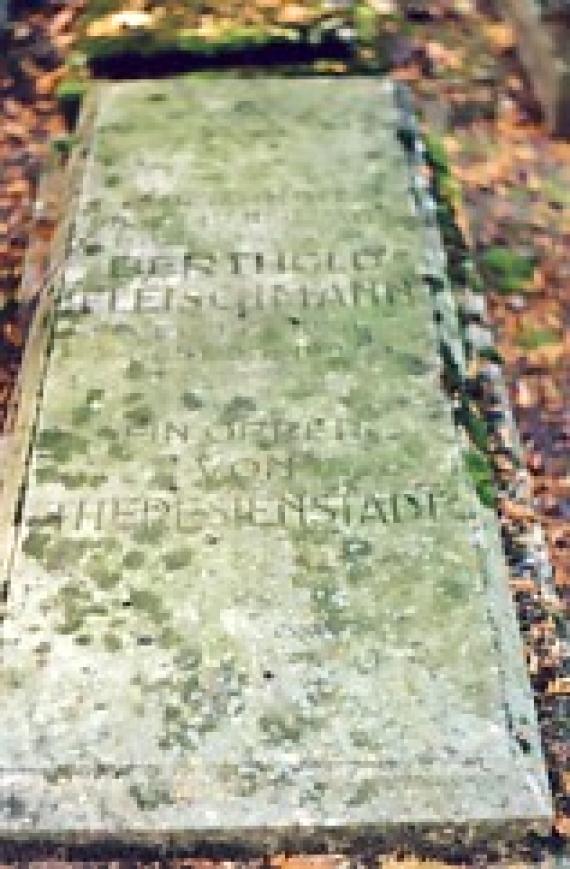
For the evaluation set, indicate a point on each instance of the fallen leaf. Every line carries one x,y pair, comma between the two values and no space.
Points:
111,25
500,35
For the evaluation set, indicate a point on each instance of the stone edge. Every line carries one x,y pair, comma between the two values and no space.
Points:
54,207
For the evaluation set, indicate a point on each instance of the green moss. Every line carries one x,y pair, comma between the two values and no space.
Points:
169,638
59,445
82,480
103,576
94,395
47,474
176,559
454,589
119,451
132,397
64,553
81,414
164,480
135,370
139,416
150,533
108,433
506,269
133,559
279,728
112,643
72,620
35,544
365,24
481,473
192,401
450,190
238,408
366,792
532,338
77,605
172,713
148,602
150,796
74,601
436,155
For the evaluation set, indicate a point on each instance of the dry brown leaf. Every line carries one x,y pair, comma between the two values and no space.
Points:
19,185
294,13
46,83
500,35
308,862
547,356
444,57
517,512
413,863
61,20
453,146
524,396
559,686
14,129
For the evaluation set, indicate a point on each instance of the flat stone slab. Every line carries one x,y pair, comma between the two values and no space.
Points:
252,596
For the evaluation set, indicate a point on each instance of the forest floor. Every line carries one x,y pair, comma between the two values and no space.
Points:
510,184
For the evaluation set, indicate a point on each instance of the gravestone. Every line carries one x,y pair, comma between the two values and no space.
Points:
251,594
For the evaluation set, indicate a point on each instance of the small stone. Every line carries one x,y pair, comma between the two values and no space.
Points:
516,303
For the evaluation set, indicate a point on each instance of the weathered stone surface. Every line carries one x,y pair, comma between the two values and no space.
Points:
252,594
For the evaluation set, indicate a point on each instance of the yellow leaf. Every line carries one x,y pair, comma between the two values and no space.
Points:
111,25
500,35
